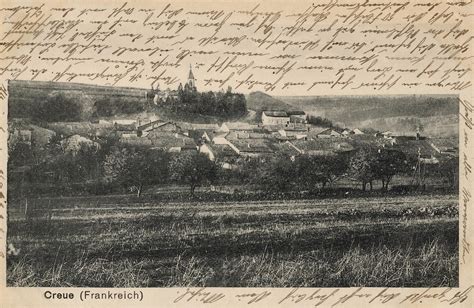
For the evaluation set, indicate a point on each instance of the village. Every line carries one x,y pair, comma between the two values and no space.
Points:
163,187
275,134
281,133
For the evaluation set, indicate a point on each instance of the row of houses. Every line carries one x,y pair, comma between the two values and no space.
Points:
232,141
278,117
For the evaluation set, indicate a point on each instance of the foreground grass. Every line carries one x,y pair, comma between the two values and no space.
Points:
376,242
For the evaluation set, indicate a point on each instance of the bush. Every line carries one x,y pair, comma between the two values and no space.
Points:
56,108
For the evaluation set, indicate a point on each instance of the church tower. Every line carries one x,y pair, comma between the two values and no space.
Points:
191,84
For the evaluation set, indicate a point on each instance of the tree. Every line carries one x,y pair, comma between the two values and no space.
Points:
57,107
320,121
220,104
194,169
448,169
418,127
19,154
389,163
135,168
363,165
323,170
109,106
278,174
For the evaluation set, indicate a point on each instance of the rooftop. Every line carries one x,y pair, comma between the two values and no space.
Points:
252,145
223,150
275,113
322,146
296,112
240,126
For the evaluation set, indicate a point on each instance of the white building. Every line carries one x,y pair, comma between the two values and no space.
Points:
277,117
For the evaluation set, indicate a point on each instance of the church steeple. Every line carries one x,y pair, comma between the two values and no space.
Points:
191,81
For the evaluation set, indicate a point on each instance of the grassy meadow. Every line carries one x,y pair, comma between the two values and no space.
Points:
123,241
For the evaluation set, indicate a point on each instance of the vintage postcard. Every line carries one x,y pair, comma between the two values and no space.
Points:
236,153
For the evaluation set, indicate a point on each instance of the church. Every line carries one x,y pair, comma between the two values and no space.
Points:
160,96
191,83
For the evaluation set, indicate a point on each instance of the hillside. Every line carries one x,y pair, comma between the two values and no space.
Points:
36,100
437,113
436,126
360,108
259,101
25,95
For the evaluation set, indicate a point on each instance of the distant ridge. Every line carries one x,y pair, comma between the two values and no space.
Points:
259,101
72,86
385,112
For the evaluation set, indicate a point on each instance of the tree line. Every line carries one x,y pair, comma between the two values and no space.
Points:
219,104
133,169
59,107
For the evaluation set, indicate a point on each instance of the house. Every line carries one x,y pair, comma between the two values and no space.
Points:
204,127
171,141
329,133
251,147
207,136
125,121
145,127
163,96
407,136
322,147
448,146
293,134
239,135
297,116
275,117
125,131
294,130
136,141
274,130
71,128
30,134
158,126
259,135
357,131
365,140
346,132
220,138
285,149
128,134
21,135
238,126
387,134
86,129
417,149
160,97
222,154
280,138
208,150
202,132
313,133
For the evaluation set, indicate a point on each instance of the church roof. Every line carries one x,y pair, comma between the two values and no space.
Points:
191,76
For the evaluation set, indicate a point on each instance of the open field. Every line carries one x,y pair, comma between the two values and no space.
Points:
123,241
